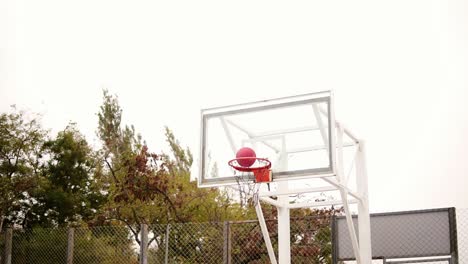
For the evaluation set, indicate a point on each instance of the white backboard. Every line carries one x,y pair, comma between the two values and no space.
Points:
295,133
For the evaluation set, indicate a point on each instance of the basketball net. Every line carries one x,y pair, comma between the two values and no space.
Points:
249,178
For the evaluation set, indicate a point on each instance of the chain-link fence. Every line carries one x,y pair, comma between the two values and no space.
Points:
245,242
106,244
186,243
310,241
439,260
462,235
221,242
39,246
422,236
2,246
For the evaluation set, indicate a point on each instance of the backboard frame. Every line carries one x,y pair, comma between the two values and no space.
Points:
304,99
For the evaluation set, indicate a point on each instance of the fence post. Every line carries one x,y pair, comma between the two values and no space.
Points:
70,245
227,243
144,244
453,235
166,244
225,227
8,245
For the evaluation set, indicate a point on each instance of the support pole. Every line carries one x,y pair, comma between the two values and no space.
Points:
351,229
270,201
363,206
284,230
266,235
284,225
344,195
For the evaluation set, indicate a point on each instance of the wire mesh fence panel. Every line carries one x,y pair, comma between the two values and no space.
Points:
157,235
311,240
421,261
211,243
406,261
2,247
462,235
196,243
39,246
247,244
425,262
399,235
106,244
374,261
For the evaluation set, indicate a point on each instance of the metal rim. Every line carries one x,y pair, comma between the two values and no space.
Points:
250,169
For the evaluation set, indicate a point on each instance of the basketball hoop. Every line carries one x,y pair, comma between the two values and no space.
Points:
248,178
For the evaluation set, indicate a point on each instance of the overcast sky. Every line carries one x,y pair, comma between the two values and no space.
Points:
398,70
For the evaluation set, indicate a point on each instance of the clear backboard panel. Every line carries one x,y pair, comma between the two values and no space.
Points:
294,133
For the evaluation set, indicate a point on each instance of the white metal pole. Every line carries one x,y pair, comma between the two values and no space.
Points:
340,186
317,204
284,247
266,235
351,229
363,206
268,200
298,191
344,194
284,241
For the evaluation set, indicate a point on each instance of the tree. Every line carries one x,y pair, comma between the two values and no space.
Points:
68,192
21,138
146,187
124,168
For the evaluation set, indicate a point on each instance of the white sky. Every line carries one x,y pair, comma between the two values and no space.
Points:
398,70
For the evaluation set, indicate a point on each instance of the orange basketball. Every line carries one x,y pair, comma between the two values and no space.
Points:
246,157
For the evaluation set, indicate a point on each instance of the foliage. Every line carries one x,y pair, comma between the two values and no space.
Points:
20,142
146,187
68,191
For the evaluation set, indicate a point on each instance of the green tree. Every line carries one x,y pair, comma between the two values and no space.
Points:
68,192
21,138
151,188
